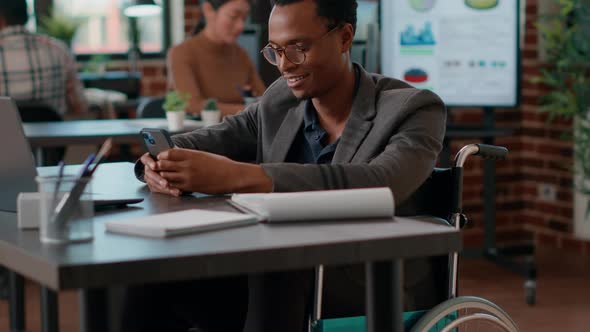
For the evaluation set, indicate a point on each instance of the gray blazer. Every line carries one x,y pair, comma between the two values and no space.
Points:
392,138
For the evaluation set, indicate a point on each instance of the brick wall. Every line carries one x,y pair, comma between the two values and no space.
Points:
537,156
544,157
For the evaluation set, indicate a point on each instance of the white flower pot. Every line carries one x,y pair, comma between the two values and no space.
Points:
210,117
175,121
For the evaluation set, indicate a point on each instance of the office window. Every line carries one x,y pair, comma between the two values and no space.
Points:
31,24
105,30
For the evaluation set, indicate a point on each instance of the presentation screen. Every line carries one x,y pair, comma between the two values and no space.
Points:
466,51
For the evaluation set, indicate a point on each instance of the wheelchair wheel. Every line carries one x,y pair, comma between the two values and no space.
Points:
464,314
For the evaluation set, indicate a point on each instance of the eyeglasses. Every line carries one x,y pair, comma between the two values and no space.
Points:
295,53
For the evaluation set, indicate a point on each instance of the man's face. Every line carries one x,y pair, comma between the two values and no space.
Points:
325,60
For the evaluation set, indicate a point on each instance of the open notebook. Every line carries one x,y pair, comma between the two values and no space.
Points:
180,222
318,205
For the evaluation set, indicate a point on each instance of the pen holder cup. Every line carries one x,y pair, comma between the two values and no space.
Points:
78,226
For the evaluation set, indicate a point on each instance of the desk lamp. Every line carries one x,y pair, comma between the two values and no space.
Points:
134,10
142,8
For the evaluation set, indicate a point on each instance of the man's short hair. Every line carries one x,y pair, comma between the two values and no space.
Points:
337,12
14,12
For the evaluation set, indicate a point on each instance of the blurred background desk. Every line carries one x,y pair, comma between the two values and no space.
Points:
122,81
123,131
126,83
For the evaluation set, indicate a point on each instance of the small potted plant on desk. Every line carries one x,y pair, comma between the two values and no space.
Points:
210,114
175,104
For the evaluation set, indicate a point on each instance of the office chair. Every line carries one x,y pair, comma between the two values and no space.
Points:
37,111
439,200
151,108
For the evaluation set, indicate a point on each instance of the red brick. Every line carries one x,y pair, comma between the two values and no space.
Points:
512,235
535,132
543,239
566,196
532,220
530,39
472,238
151,71
572,244
530,53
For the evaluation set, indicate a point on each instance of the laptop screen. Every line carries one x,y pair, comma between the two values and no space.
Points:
17,168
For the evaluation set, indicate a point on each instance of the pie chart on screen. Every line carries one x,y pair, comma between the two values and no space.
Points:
422,5
482,4
415,75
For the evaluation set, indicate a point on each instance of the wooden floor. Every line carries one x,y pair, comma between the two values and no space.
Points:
563,291
563,301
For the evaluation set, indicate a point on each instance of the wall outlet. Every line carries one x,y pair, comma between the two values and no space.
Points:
547,192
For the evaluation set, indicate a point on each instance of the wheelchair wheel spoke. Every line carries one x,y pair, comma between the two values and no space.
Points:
466,314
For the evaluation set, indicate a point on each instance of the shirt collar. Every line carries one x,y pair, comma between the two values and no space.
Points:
310,116
13,30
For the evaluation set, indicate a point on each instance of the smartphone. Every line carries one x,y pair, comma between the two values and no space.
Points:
156,141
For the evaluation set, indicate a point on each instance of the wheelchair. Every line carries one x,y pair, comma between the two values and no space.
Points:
455,313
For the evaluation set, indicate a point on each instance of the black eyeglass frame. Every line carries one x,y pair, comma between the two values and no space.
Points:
280,51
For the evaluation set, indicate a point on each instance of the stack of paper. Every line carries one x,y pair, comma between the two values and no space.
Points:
181,222
318,205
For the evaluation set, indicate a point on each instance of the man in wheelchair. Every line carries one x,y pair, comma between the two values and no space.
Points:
325,124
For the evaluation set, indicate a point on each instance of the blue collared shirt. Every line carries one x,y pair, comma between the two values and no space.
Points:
310,145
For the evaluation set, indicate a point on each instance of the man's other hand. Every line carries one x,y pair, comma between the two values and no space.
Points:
155,182
199,171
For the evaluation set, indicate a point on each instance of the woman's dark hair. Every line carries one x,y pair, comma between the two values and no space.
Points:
14,12
215,4
337,12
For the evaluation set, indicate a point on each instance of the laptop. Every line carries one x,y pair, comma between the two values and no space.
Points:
17,168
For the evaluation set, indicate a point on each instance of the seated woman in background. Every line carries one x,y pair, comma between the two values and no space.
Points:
211,64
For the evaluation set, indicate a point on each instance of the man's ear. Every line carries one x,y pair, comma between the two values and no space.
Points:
208,10
347,34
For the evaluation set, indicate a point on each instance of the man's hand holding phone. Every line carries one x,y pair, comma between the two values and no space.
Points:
156,141
172,171
152,177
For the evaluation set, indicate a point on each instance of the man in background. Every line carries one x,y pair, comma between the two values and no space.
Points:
34,67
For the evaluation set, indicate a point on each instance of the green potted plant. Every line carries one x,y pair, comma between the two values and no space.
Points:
175,104
97,64
210,114
566,37
59,26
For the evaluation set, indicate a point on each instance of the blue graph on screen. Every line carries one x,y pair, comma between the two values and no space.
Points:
423,37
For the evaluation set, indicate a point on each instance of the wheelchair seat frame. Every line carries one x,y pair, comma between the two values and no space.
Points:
456,312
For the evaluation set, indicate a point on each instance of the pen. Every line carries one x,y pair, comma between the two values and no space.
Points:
86,165
60,175
104,151
64,208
